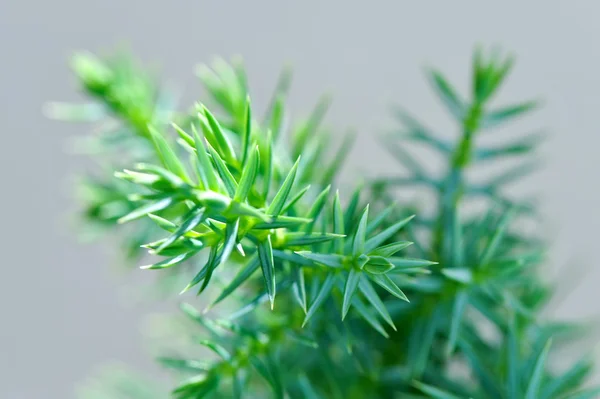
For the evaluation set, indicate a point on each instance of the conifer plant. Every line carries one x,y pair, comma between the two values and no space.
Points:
299,289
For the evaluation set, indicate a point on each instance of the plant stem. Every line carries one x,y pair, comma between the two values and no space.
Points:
452,191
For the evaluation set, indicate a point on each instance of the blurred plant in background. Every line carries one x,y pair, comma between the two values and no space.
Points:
313,293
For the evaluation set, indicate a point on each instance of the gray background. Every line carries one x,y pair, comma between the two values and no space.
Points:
61,304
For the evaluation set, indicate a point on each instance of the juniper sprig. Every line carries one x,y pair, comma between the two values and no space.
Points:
329,296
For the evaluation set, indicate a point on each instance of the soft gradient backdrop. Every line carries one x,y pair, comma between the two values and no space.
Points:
61,304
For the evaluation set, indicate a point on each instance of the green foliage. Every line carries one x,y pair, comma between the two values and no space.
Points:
330,298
